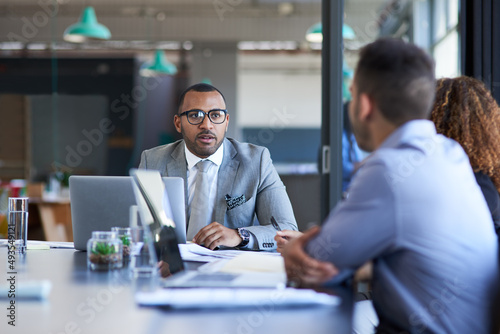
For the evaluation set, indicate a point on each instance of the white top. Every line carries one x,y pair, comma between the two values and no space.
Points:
213,172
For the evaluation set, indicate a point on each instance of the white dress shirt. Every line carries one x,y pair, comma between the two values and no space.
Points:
213,172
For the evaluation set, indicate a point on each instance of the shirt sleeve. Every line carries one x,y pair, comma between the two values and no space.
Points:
361,227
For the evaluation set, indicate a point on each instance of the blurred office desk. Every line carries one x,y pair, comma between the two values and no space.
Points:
55,217
83,301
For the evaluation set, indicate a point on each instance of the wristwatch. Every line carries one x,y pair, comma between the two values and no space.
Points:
244,235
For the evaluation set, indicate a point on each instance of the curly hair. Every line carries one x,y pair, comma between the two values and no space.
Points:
465,111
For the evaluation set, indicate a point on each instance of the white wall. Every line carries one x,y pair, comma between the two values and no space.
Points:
279,90
446,54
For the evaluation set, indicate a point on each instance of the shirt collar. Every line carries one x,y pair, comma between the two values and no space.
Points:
409,131
192,159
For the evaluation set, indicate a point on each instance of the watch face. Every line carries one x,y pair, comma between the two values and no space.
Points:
244,233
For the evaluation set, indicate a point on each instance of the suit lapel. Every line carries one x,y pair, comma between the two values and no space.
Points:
177,166
225,181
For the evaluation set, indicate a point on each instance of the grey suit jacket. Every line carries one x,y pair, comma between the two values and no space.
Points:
246,169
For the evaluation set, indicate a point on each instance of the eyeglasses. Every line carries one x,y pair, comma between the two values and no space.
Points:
195,116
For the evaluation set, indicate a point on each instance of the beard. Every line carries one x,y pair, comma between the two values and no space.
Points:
360,130
202,150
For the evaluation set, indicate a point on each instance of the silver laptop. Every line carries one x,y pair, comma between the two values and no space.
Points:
155,216
101,202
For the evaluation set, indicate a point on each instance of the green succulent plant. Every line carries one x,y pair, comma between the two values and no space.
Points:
125,240
103,248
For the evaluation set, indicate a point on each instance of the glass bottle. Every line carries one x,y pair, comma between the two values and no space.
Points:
104,251
124,234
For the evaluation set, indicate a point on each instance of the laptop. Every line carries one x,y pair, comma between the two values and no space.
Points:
101,202
155,217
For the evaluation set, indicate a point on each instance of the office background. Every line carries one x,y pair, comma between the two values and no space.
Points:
86,109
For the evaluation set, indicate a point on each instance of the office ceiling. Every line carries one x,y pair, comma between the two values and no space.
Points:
181,20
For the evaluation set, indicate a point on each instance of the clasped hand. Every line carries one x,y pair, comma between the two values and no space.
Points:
215,235
302,269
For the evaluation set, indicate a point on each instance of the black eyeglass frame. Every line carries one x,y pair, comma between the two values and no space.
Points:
204,115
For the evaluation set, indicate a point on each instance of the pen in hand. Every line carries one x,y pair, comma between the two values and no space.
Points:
276,226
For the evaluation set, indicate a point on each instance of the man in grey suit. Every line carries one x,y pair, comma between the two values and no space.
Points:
238,183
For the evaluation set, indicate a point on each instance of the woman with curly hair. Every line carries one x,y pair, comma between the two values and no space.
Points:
465,111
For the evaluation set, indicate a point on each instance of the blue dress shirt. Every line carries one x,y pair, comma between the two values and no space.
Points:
415,209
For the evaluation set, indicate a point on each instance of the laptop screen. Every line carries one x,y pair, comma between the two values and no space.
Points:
101,202
156,214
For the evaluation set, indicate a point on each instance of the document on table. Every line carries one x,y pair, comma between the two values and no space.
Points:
38,245
34,244
197,253
198,298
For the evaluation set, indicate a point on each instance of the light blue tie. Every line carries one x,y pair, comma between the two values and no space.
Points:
199,205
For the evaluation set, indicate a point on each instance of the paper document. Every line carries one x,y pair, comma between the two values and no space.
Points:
52,244
36,244
223,298
254,262
195,252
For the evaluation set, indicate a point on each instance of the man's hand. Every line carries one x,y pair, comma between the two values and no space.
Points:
283,237
303,269
215,235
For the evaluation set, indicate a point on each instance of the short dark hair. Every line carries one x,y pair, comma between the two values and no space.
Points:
199,87
399,77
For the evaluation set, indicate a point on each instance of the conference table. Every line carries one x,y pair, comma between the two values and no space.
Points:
85,301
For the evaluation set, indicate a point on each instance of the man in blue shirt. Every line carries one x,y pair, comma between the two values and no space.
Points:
413,208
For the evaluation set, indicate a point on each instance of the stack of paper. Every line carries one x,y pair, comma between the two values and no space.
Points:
197,253
223,298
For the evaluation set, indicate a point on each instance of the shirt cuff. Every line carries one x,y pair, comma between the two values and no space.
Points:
251,242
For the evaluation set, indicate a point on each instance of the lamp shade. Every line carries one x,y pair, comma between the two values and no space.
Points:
315,33
160,66
86,28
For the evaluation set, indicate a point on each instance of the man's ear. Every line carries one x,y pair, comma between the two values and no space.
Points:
177,123
366,107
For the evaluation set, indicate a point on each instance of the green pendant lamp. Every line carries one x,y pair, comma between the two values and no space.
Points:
160,66
87,28
315,33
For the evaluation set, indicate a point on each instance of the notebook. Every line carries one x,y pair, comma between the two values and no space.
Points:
101,202
159,222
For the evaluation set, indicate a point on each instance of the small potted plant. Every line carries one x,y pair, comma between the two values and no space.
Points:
124,234
104,251
126,246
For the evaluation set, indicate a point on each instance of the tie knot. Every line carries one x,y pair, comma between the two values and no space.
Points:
203,165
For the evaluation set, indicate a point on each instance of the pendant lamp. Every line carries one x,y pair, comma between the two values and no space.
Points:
315,33
86,28
160,66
